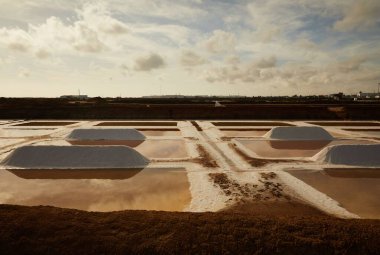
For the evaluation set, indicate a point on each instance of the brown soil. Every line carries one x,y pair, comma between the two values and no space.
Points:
268,189
265,198
346,123
205,159
47,123
195,124
234,123
138,123
361,129
49,230
184,109
244,129
158,129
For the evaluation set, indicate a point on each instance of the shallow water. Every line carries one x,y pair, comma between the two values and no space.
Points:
163,149
345,123
147,189
244,133
285,149
250,123
371,133
130,143
161,132
357,192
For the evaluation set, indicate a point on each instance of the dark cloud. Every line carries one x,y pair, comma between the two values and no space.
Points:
148,63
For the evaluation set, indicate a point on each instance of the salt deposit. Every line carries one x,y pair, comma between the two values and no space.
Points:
299,133
106,134
353,155
79,157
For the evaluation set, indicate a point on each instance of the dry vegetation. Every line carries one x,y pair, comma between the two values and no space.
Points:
48,230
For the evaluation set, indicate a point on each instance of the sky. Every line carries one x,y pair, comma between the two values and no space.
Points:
135,48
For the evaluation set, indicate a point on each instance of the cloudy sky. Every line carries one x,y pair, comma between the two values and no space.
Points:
202,47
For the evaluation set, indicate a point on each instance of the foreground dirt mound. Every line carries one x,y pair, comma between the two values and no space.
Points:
48,230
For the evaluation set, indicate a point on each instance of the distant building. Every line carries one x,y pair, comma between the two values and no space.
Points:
217,104
75,97
337,96
364,95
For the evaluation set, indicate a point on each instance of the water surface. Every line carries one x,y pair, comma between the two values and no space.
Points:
147,189
174,148
357,192
285,149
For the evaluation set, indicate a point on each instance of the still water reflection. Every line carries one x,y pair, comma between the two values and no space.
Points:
285,149
357,190
147,189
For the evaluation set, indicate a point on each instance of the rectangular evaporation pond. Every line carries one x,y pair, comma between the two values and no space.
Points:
244,132
357,190
98,189
241,123
345,123
46,123
165,149
138,123
160,132
291,149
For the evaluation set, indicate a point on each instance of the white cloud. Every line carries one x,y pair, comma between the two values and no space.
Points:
266,62
189,58
24,72
167,9
220,41
42,54
241,72
350,65
87,40
15,39
228,42
361,15
149,62
98,18
91,33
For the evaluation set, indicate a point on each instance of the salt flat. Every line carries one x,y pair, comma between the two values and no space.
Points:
239,172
